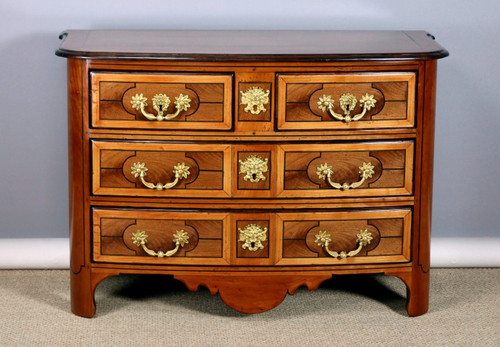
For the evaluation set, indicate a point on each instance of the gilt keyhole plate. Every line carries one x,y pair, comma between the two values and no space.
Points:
252,237
254,99
254,168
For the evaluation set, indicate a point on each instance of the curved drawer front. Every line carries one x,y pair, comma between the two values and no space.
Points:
123,236
344,170
160,169
161,101
353,237
346,101
251,239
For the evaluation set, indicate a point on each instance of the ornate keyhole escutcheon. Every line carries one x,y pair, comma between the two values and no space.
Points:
348,103
254,168
161,102
255,98
252,237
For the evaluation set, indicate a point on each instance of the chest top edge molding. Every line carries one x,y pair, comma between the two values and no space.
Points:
250,45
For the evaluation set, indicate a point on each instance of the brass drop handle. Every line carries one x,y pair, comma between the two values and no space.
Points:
325,172
161,102
255,98
347,104
252,237
139,169
363,238
180,238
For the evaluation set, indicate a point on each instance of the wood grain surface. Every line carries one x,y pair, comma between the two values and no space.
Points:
298,96
107,136
276,45
210,105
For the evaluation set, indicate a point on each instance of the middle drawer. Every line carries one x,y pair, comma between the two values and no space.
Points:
252,171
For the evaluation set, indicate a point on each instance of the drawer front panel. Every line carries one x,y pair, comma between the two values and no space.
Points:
119,236
254,172
251,239
254,236
343,170
346,101
161,101
160,170
376,236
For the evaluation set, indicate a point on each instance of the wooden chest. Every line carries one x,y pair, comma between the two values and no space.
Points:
250,162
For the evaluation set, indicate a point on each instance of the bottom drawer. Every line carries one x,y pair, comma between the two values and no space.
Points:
159,237
351,237
248,239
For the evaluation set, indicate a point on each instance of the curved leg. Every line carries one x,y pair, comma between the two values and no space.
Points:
82,295
417,284
83,285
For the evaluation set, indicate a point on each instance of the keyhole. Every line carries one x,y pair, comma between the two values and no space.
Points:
347,107
254,176
160,107
252,244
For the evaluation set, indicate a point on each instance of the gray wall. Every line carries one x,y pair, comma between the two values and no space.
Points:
33,145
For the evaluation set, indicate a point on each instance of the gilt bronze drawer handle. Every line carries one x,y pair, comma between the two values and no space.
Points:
161,102
252,237
181,171
180,238
254,168
363,238
325,172
347,104
255,98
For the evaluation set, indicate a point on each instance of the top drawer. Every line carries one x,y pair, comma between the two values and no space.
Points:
161,101
346,101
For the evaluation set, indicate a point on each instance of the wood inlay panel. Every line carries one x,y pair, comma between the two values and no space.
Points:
244,181
209,168
260,256
298,171
113,230
298,96
390,230
263,176
210,105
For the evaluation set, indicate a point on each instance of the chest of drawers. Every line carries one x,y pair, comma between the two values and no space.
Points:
251,163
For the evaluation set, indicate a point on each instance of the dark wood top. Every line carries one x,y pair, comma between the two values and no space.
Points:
314,46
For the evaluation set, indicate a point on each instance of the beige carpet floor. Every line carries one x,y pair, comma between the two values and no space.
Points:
344,311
